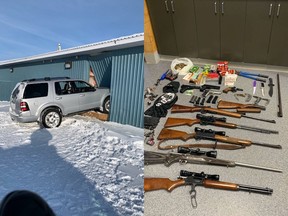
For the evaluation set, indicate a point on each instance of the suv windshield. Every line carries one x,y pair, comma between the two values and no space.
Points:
36,90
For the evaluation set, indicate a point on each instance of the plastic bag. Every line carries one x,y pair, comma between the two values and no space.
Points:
181,66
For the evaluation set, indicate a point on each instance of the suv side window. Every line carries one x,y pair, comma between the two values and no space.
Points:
83,87
15,93
65,87
36,90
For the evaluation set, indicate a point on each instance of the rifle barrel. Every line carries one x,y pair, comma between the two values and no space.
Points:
259,119
261,130
254,189
258,167
267,145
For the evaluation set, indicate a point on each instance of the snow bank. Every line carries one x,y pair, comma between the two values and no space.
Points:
84,167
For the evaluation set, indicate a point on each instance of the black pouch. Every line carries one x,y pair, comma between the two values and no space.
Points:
161,105
171,87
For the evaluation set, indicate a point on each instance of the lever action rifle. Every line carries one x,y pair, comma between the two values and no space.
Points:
168,134
211,120
232,105
199,179
206,109
167,159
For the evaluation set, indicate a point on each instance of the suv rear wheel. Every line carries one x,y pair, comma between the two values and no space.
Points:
51,118
106,105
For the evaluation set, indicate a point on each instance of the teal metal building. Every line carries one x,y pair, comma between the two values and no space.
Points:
116,63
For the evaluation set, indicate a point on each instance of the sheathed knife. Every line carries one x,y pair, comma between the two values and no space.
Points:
270,87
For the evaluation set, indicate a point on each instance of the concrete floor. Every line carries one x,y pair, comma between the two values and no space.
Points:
220,202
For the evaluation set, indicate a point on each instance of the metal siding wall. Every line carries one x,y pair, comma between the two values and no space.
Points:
6,84
101,66
79,70
127,84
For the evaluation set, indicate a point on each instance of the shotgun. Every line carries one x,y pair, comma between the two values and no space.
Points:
232,105
151,158
199,179
211,120
206,109
217,136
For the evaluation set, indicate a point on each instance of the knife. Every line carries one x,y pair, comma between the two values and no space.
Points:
262,89
254,87
270,87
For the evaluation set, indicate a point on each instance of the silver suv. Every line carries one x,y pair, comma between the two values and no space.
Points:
46,100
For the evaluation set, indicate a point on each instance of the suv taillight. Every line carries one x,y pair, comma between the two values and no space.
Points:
24,106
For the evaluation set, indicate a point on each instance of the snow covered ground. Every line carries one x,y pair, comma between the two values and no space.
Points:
85,167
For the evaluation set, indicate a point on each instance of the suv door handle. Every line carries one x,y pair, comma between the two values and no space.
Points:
82,95
58,98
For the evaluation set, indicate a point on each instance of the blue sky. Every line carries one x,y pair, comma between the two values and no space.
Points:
34,27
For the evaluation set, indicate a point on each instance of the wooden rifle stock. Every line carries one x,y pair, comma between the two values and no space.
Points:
248,110
220,185
173,122
232,105
182,109
151,184
174,134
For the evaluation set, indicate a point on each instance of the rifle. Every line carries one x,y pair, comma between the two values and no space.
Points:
232,105
206,109
211,120
199,179
280,113
201,88
218,136
151,158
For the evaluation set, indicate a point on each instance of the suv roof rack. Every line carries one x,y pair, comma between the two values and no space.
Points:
45,79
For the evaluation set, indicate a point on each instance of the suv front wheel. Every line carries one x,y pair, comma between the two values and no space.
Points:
51,118
106,105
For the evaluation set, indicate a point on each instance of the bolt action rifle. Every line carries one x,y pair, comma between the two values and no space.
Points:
199,179
217,136
211,120
151,158
207,109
